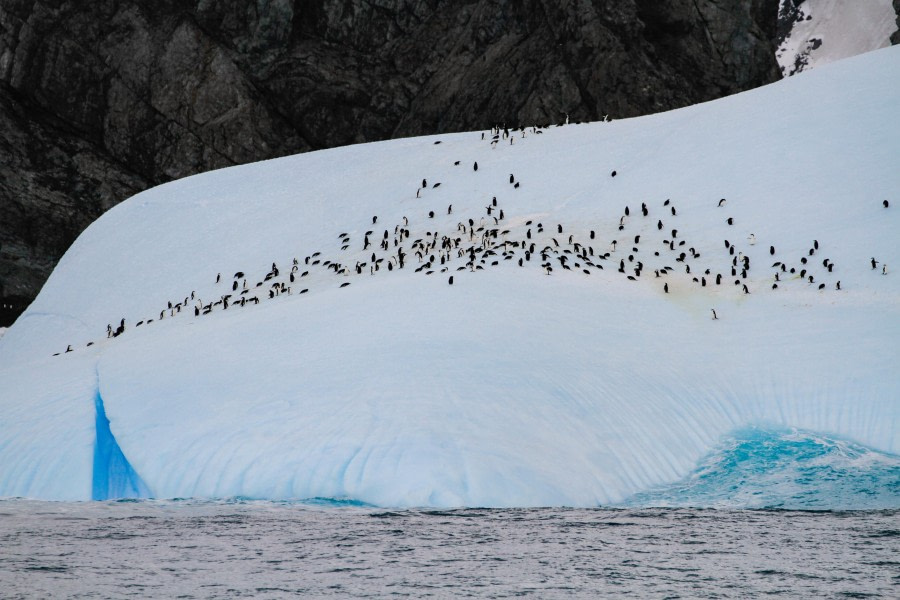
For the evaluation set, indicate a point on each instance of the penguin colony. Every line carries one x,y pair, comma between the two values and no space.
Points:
483,241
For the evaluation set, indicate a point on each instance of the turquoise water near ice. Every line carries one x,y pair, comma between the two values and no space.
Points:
784,469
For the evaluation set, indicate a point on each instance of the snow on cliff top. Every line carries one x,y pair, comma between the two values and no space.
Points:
823,31
511,386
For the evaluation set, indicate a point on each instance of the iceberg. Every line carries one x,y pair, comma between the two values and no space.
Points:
582,384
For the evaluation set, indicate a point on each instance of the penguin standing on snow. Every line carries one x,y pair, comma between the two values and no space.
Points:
715,316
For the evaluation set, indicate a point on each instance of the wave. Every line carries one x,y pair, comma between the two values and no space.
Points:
790,469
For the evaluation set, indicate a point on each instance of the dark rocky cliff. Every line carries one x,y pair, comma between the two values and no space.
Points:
895,37
99,100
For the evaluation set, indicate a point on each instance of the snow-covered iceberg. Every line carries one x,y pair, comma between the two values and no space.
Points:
517,385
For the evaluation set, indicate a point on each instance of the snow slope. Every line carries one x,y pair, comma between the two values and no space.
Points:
510,387
824,31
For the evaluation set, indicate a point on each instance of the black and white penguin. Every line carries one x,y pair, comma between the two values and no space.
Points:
886,203
721,203
475,166
715,316
613,174
450,281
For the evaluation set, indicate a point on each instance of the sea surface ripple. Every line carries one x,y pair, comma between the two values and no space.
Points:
261,549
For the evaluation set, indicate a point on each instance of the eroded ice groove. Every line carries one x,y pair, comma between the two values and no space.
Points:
113,476
787,469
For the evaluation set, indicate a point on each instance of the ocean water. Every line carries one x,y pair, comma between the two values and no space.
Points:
193,549
767,513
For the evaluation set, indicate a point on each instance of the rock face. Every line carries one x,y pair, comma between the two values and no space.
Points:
895,37
99,100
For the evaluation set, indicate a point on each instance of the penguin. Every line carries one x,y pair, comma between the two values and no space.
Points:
511,178
715,316
218,277
450,281
475,166
886,203
884,269
772,250
730,221
424,183
627,212
752,239
613,174
838,286
746,291
659,225
721,203
450,209
666,288
69,348
592,234
874,262
674,214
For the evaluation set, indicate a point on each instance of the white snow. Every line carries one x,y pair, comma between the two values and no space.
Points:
835,29
510,387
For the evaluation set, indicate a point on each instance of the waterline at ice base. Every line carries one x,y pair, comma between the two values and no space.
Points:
596,314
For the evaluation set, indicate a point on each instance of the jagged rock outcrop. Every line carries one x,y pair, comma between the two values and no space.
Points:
100,100
895,37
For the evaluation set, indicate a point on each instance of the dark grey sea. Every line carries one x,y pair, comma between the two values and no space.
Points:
231,549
